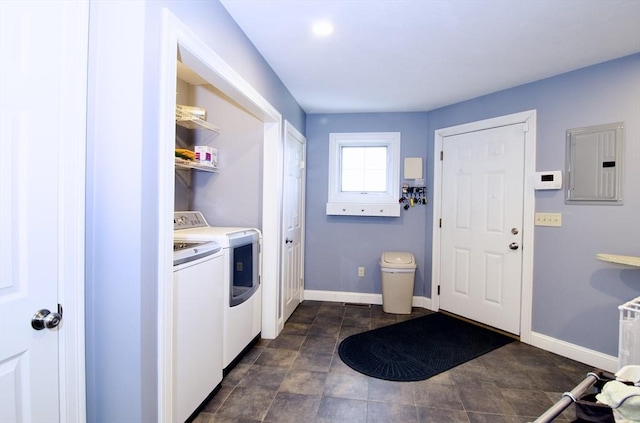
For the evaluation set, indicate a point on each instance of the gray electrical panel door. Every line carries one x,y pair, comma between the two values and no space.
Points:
594,164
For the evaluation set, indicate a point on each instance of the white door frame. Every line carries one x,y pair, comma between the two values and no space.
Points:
71,289
528,118
198,56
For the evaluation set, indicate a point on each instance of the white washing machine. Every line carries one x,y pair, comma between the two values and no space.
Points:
242,294
198,275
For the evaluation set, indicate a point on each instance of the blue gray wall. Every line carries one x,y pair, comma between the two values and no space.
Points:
123,190
337,245
575,296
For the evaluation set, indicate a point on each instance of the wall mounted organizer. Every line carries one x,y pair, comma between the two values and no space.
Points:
413,196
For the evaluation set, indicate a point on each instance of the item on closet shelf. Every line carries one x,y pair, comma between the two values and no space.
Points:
193,118
207,155
191,111
183,153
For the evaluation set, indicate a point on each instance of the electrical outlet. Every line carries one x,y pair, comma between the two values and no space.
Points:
548,219
361,272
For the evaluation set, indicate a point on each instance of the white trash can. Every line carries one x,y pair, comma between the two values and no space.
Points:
398,271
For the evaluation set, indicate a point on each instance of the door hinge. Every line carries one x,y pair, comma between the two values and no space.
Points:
438,289
440,223
441,155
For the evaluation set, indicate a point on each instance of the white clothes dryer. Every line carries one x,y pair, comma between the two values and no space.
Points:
242,295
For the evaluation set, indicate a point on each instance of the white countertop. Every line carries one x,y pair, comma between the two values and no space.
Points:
614,258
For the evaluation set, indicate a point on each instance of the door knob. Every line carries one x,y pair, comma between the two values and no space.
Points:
44,319
514,245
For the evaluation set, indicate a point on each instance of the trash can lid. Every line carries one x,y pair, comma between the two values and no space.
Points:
397,257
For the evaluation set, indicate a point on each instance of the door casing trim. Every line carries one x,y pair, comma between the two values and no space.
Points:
71,281
528,118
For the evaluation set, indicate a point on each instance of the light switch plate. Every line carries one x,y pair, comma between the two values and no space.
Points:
548,219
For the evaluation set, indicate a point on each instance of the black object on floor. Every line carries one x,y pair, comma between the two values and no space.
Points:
419,348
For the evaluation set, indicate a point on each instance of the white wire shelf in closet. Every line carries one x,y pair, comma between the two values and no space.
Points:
192,121
193,118
183,164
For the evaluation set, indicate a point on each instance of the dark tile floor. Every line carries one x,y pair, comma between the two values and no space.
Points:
299,377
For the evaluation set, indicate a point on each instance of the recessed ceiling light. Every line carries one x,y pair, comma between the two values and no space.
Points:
322,28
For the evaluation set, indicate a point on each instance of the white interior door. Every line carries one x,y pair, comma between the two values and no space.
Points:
293,215
482,225
42,121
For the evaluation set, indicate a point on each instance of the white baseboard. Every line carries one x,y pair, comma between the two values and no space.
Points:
423,302
575,352
342,297
357,297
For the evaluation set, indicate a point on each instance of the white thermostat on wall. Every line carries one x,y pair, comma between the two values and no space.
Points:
551,179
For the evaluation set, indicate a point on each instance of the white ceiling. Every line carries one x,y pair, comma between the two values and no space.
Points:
399,55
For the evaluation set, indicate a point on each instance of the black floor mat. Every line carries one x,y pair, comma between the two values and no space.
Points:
419,348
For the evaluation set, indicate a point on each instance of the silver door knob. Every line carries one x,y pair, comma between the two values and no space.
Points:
44,319
514,245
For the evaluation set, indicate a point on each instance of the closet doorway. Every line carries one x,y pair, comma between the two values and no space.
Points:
181,44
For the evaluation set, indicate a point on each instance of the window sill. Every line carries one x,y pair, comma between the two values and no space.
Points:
363,209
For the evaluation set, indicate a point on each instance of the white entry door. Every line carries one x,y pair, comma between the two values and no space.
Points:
293,215
43,61
482,225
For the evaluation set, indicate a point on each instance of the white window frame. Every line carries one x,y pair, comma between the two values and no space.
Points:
364,203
